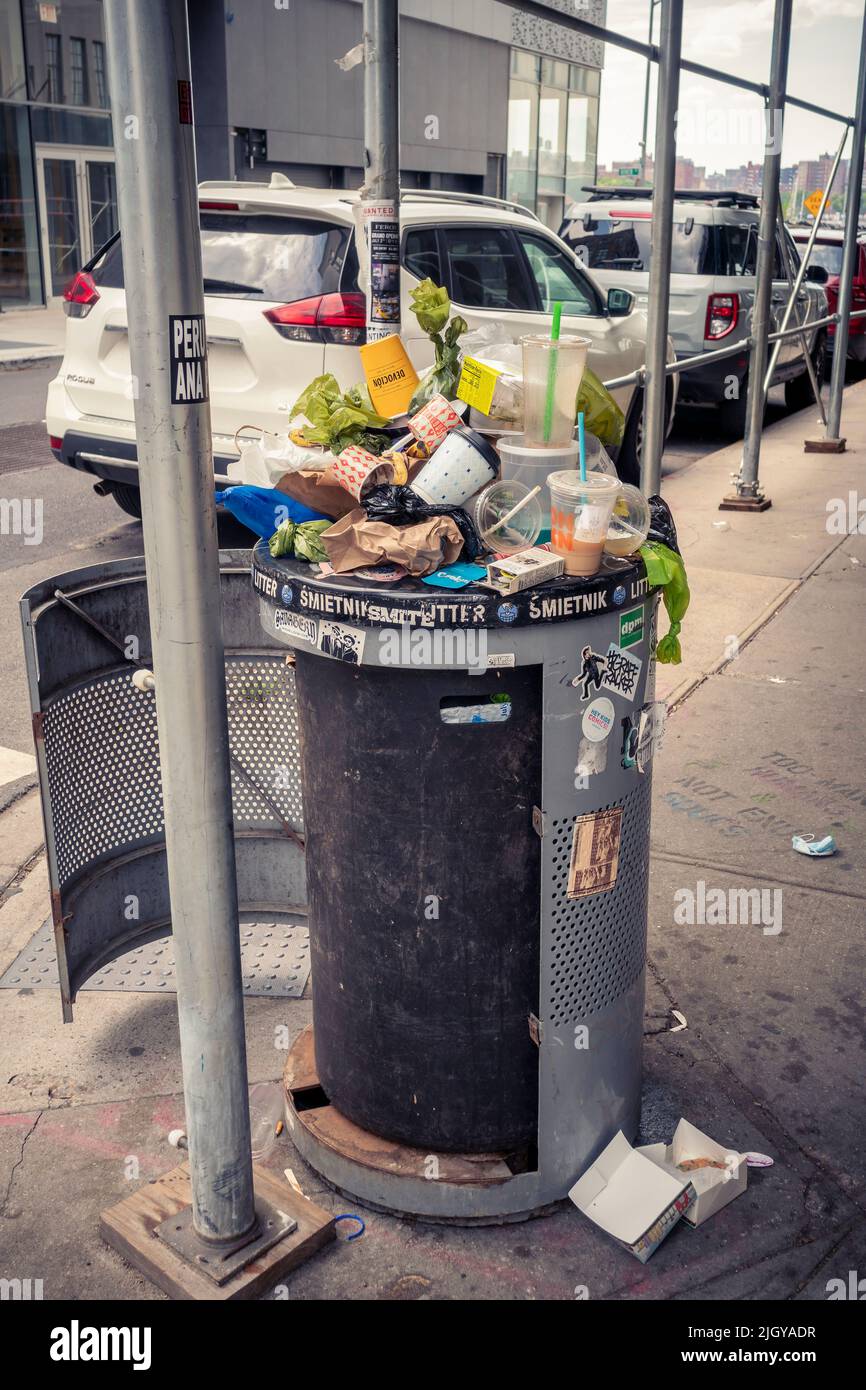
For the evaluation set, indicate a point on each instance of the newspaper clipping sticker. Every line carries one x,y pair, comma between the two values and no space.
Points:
594,853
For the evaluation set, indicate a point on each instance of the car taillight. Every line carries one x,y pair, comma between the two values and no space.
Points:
80,296
723,311
325,318
55,441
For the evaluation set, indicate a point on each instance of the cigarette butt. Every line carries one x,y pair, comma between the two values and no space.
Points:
279,1128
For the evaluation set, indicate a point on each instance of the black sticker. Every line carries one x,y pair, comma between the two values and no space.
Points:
187,343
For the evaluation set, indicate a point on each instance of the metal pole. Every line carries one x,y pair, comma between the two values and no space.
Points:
747,482
660,255
849,252
380,196
646,96
804,259
149,79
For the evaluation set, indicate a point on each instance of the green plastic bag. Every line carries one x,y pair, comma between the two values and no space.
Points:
601,414
665,570
432,308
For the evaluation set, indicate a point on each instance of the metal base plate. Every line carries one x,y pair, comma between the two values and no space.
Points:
221,1262
275,960
824,446
744,504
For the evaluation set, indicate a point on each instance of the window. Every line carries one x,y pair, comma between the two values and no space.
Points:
737,249
53,68
100,73
486,271
421,254
827,255
78,72
557,278
552,132
269,259
623,243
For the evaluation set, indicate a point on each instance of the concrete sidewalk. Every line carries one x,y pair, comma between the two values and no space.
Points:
31,335
761,744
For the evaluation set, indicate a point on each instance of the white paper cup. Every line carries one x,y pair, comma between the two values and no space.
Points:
462,464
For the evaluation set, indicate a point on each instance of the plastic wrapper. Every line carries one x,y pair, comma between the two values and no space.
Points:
263,509
665,569
303,539
265,460
399,505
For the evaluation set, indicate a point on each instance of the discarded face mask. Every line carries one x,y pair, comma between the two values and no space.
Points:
807,844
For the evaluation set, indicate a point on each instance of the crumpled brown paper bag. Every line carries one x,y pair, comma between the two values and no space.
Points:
323,491
422,547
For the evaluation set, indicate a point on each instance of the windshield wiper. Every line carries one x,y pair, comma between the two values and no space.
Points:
233,286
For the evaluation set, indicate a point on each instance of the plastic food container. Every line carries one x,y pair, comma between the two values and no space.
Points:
524,528
630,522
530,465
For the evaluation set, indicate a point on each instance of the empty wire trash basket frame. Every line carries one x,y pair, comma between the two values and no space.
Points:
86,635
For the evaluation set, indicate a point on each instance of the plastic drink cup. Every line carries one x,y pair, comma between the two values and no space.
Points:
580,513
630,522
562,359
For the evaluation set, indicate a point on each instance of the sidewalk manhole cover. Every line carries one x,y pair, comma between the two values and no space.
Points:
275,959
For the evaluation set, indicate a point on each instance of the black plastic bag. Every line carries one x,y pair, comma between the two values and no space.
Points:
662,526
399,505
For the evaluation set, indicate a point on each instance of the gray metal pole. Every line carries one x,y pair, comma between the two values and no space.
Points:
665,155
149,79
804,259
380,196
747,482
849,252
646,96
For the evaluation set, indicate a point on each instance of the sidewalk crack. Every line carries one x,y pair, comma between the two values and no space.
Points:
18,1162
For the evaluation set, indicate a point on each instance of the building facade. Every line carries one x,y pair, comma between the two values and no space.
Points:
492,101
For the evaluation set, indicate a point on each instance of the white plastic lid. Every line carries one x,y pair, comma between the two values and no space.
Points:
493,503
568,482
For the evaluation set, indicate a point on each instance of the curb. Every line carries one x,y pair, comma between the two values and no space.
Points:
30,359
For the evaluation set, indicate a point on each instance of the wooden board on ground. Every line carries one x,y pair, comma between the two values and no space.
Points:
129,1229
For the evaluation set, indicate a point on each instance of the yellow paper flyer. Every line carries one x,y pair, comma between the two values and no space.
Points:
477,384
391,378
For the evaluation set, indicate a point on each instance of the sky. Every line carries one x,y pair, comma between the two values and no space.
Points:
719,126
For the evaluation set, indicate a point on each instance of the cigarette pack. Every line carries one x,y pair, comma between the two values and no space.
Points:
524,570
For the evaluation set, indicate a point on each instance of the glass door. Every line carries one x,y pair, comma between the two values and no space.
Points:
78,209
61,220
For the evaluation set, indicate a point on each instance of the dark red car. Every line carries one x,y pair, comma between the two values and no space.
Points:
827,252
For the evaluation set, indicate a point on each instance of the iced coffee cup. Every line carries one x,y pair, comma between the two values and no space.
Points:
580,513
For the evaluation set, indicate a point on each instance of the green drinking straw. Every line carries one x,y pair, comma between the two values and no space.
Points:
551,374
581,446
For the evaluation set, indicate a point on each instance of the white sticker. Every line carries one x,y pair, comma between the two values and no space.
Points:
621,672
651,728
345,643
495,659
598,719
296,624
591,524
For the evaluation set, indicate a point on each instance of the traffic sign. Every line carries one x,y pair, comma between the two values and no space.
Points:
813,202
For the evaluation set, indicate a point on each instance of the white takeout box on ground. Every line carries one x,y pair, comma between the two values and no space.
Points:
631,1197
715,1187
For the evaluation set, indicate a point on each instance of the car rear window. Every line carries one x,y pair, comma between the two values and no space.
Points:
829,255
260,257
623,243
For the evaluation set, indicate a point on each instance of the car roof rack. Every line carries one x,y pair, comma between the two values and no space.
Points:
723,198
437,195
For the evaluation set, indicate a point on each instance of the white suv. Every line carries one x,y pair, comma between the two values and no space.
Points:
712,286
282,306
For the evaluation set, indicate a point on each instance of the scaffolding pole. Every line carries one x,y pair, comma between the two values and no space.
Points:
665,154
832,436
748,496
149,79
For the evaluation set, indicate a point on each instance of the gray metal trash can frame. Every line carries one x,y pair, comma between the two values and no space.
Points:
591,948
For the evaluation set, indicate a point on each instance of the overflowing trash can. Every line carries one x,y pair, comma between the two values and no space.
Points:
476,774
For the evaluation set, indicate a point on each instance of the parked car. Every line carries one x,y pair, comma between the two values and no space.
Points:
282,305
712,285
827,252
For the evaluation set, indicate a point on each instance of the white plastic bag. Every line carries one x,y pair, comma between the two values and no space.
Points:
265,460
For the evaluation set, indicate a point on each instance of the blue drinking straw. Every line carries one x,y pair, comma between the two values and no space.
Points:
581,444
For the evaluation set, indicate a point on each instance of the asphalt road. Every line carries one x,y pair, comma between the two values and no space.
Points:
78,528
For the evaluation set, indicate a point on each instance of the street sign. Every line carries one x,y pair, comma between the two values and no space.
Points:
813,202
631,173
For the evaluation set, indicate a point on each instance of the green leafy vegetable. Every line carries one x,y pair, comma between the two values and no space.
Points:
338,419
301,539
432,308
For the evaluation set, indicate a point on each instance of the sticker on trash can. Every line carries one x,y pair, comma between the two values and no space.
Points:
345,643
631,627
187,342
621,672
598,719
594,853
296,624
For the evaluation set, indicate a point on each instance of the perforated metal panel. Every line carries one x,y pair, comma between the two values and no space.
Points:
598,943
98,756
